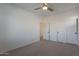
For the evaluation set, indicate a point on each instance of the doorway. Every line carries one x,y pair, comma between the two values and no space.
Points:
44,31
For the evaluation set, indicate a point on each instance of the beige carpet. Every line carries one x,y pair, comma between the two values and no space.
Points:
46,48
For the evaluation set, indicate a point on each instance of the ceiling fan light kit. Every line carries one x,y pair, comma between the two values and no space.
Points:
44,7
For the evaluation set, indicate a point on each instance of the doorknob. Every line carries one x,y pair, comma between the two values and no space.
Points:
57,32
48,32
76,32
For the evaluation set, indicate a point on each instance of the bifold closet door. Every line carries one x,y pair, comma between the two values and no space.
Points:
47,31
72,32
53,33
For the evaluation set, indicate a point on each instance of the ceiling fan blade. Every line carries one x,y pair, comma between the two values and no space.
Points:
37,8
50,9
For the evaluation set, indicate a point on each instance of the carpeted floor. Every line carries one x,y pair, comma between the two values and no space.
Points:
46,48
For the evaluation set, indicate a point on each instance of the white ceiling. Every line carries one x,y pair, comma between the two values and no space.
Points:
58,7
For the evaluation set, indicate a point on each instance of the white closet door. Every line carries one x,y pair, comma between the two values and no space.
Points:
46,32
62,36
71,33
53,33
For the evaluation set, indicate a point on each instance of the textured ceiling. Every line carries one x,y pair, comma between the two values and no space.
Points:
58,8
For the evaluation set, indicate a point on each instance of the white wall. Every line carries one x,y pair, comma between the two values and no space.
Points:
17,27
64,24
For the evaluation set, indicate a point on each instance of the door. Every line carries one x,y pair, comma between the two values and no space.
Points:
74,35
72,32
47,31
53,33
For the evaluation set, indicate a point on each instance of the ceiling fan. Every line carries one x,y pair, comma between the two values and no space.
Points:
44,7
